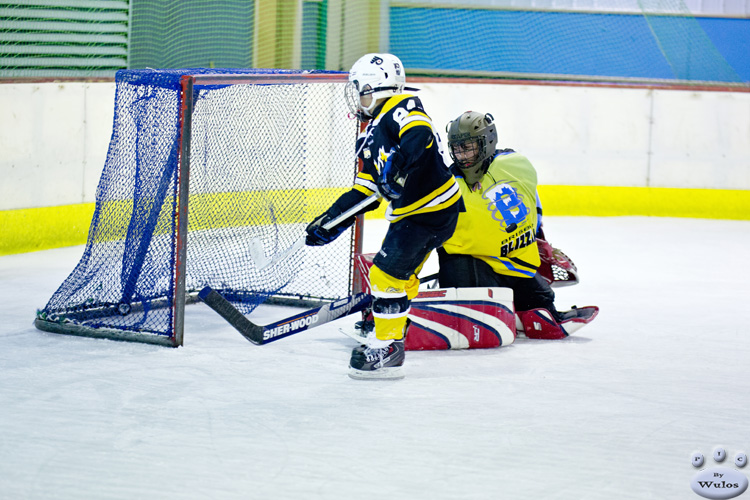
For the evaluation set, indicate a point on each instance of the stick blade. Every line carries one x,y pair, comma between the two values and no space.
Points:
296,247
258,254
303,321
226,310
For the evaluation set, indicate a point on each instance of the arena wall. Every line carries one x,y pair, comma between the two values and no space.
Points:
601,150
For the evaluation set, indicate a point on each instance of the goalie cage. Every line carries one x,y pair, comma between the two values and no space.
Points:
246,154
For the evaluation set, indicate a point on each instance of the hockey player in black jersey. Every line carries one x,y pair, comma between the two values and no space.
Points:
402,161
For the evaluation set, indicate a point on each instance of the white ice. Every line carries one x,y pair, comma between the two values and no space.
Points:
613,412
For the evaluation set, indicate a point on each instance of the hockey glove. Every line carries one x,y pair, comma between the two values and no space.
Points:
317,235
391,181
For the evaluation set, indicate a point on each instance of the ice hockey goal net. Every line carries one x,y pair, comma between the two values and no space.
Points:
200,163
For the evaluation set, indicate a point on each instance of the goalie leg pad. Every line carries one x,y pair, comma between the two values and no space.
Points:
461,318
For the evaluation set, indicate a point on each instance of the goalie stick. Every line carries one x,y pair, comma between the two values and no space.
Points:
256,245
263,334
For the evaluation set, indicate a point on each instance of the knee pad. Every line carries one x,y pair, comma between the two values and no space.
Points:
383,284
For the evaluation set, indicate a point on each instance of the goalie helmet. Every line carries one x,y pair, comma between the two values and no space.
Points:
372,78
472,138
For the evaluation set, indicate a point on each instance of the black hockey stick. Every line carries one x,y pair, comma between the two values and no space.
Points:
263,334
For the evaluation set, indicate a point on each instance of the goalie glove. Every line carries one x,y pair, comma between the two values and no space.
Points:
391,181
317,235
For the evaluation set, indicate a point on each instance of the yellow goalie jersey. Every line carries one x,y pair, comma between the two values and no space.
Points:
500,222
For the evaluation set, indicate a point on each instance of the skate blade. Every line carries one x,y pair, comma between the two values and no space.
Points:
392,373
354,335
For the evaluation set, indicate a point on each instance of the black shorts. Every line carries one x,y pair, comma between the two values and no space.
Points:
408,243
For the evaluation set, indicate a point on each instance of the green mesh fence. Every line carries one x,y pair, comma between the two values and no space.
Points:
63,38
218,34
617,40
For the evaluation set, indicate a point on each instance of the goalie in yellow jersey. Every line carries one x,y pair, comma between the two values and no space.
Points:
495,241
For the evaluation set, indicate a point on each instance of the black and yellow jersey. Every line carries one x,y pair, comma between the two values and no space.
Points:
430,187
500,222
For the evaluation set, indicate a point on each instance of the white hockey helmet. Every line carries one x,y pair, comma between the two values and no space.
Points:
372,78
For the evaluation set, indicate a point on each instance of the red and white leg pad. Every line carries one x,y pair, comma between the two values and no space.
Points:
470,318
539,323
461,318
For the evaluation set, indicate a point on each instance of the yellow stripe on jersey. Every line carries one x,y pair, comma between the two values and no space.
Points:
449,185
364,183
363,190
443,197
416,123
389,105
415,113
415,119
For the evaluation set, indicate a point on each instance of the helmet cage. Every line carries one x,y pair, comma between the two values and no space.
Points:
470,145
472,126
351,94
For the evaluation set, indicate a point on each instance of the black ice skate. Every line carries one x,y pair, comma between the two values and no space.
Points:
378,362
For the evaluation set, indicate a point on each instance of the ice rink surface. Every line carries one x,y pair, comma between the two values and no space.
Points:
613,412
